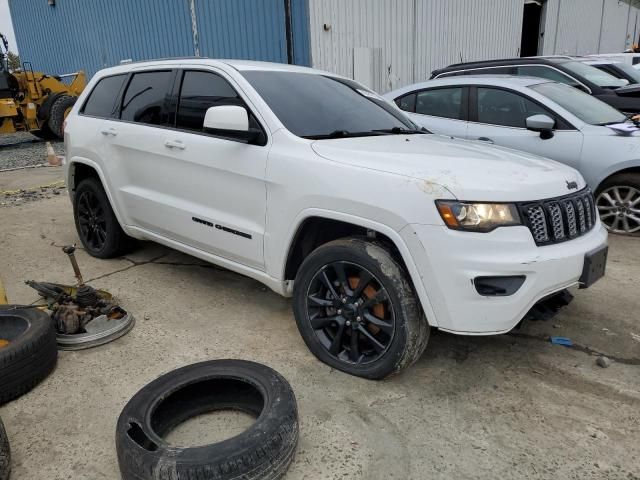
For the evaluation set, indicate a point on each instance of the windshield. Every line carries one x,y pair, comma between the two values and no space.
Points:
629,71
592,74
587,108
317,106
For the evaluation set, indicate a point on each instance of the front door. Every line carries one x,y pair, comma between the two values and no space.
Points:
500,118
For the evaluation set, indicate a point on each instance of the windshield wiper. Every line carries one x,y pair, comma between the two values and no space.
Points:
403,131
342,134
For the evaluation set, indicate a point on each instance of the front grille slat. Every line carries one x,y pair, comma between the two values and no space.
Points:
560,219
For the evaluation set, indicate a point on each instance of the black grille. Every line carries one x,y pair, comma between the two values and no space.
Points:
560,219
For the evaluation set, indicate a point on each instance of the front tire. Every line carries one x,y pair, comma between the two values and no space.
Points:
618,202
356,310
59,111
96,224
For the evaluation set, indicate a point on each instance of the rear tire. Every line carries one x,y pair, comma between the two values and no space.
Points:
96,224
618,202
356,310
58,113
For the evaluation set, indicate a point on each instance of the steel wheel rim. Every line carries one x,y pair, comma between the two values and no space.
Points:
619,208
345,314
92,221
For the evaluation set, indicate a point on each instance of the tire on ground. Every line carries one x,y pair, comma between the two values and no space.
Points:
31,353
45,133
117,242
412,328
5,454
57,114
263,452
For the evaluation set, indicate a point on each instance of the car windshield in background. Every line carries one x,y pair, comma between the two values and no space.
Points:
319,107
629,71
592,74
587,108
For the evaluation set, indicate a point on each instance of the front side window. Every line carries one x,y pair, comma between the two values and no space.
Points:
199,92
587,108
440,102
318,106
542,71
102,100
509,109
144,100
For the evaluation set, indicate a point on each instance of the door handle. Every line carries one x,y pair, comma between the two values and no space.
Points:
109,132
177,144
486,140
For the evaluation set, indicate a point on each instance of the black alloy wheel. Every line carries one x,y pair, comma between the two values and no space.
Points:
92,220
350,312
96,224
356,309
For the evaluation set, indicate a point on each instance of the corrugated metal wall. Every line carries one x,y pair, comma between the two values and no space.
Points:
91,34
590,26
415,36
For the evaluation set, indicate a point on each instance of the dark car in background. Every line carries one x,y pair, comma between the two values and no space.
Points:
602,85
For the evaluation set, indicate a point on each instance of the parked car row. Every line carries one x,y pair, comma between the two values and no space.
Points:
321,189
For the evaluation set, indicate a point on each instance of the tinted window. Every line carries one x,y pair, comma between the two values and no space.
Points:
587,108
623,71
144,100
440,102
199,91
311,105
500,107
102,100
407,103
541,71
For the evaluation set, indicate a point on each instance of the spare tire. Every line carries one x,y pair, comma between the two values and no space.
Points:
264,451
28,349
5,454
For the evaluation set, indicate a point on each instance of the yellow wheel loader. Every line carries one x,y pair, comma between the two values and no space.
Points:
33,101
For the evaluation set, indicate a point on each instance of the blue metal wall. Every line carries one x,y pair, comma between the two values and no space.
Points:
93,34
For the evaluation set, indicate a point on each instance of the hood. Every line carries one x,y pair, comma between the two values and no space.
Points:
469,170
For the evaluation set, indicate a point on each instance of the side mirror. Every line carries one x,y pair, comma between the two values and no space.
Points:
231,121
543,124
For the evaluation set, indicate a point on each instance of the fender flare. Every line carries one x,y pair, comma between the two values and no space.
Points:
386,230
90,163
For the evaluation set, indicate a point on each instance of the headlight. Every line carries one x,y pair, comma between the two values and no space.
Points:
477,217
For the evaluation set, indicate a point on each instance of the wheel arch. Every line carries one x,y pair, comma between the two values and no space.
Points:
629,167
81,168
316,227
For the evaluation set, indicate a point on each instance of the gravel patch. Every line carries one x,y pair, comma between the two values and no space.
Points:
23,150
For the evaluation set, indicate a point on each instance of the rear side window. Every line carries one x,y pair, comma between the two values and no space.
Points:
545,72
407,103
440,102
199,91
145,98
102,100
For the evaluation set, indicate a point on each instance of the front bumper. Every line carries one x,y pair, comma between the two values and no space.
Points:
449,260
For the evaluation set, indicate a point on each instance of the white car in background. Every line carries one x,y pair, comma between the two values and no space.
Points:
546,118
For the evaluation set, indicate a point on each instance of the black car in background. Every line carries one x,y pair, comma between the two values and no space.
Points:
617,69
602,85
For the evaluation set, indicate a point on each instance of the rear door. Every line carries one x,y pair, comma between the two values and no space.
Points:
134,149
441,110
498,116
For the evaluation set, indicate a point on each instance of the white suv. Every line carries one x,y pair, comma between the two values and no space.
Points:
315,186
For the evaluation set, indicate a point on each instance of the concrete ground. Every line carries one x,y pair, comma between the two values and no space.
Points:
510,406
